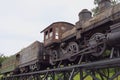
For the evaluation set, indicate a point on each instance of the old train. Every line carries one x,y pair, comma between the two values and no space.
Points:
29,59
91,38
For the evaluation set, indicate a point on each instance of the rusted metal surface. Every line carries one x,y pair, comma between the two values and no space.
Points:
108,14
115,27
69,33
84,29
104,18
101,16
31,54
84,16
53,33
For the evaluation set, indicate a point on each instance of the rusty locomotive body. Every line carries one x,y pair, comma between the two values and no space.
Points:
32,58
91,38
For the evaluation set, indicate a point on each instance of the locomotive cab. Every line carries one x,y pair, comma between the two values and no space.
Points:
53,33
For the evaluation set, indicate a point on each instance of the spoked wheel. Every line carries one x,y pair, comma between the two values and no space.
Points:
98,44
38,66
72,48
54,56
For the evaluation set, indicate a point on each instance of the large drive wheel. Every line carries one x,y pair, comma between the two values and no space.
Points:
72,48
38,66
98,44
54,56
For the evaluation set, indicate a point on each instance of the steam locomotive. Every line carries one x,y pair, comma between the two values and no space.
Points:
90,39
90,36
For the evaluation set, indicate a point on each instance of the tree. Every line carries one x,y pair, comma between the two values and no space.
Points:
115,2
95,10
2,58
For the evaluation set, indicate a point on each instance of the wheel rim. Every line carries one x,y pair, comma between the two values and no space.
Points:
54,56
72,48
97,43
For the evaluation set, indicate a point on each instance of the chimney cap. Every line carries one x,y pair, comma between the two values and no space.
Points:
85,11
101,1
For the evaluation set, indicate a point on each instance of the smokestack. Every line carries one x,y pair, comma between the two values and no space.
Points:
84,15
103,4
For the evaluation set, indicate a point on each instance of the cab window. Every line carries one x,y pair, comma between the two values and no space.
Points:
46,35
57,33
51,32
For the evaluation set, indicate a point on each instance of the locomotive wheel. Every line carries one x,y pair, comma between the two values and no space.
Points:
38,66
98,44
72,48
54,56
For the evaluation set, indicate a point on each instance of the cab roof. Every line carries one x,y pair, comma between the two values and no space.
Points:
56,23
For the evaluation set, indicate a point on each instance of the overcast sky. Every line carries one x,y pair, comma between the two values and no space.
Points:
22,20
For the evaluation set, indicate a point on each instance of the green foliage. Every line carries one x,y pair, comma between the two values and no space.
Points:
96,2
2,58
113,2
95,11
